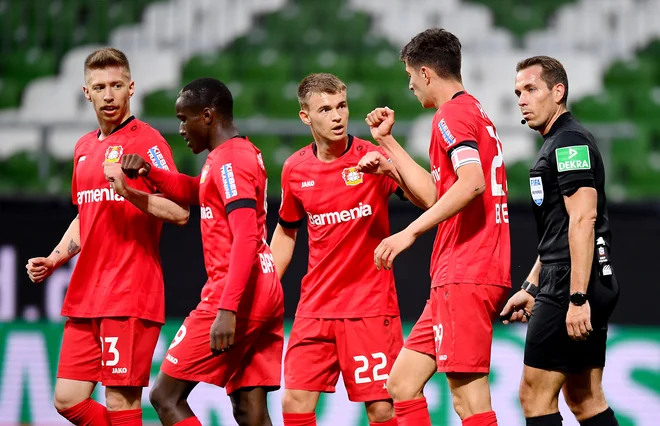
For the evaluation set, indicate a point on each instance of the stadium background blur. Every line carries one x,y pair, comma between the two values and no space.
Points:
261,49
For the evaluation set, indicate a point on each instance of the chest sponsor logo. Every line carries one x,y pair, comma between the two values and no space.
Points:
351,176
228,181
98,195
573,158
446,133
206,212
113,154
157,158
205,172
536,189
333,218
307,184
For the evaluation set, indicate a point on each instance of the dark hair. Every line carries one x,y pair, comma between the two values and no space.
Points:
437,49
319,83
208,92
107,57
553,72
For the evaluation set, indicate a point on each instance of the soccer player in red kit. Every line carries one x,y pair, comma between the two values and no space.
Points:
115,301
470,265
235,336
348,315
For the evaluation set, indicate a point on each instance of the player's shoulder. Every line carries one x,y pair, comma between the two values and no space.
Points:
86,138
145,132
464,106
364,146
299,157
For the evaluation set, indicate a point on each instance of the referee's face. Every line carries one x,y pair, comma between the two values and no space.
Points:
534,97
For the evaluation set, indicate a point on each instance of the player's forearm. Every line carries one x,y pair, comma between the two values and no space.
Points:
158,207
396,177
178,187
282,245
416,179
459,195
581,246
69,245
533,276
243,224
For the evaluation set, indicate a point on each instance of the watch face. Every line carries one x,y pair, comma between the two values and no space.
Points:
578,298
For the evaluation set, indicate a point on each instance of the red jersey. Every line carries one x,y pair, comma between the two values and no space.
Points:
472,246
118,272
234,176
347,218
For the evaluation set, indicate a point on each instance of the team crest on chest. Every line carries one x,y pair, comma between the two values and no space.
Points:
113,154
351,176
205,172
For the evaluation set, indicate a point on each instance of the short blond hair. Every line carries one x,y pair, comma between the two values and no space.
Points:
319,83
107,57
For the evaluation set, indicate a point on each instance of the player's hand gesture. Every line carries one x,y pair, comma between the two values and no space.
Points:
222,331
374,163
39,268
578,321
390,247
518,308
114,175
133,166
380,122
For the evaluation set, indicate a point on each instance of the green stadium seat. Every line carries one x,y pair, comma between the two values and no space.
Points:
220,66
382,65
265,65
630,75
10,92
332,62
597,109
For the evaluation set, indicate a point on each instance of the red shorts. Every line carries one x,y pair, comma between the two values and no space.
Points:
456,327
363,349
113,351
254,360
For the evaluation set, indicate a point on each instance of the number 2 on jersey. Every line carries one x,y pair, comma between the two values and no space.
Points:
498,189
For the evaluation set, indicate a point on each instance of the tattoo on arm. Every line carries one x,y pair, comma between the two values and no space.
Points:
73,247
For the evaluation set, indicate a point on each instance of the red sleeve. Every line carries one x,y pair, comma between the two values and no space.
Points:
243,225
74,185
176,186
236,174
157,151
453,128
291,211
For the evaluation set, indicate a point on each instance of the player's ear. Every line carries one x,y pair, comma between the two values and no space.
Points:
424,71
304,116
207,116
86,92
558,92
131,88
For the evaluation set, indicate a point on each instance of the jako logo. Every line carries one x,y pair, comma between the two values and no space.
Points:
171,359
308,184
206,212
337,217
98,195
118,370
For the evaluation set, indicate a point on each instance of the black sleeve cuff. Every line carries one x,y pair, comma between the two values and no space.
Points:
241,204
399,193
290,225
471,144
569,188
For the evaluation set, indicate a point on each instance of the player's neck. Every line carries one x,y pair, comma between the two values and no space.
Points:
221,135
445,92
328,151
107,127
544,131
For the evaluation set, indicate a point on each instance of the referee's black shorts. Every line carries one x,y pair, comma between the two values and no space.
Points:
548,345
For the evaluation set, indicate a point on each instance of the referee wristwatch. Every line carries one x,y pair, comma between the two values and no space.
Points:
530,288
578,299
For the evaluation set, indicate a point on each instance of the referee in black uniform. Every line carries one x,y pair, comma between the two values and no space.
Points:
571,291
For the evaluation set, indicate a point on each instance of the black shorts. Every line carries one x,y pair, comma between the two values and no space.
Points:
548,345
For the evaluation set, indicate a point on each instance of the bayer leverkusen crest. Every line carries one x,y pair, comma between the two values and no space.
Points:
205,172
113,154
351,176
